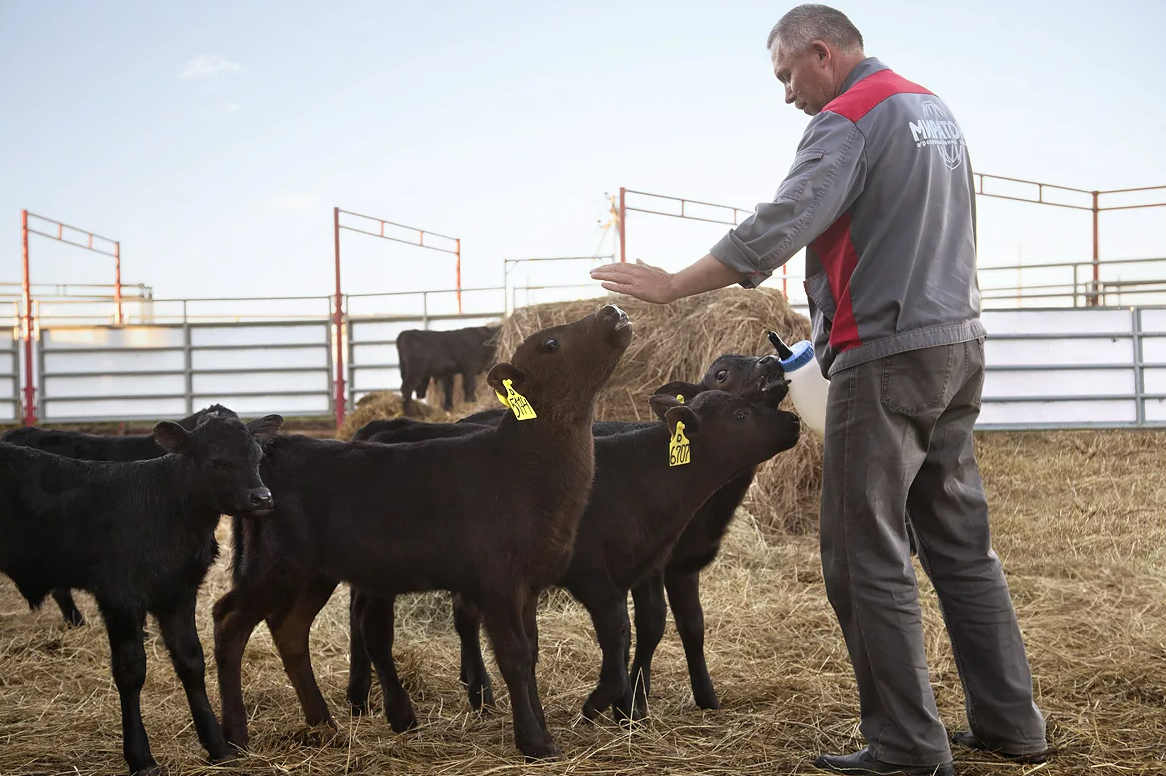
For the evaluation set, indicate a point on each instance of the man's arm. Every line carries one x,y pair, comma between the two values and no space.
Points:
828,173
653,284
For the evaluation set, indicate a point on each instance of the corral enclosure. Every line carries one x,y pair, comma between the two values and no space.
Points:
1078,525
1067,367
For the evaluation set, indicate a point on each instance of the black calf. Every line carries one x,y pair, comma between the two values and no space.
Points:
139,536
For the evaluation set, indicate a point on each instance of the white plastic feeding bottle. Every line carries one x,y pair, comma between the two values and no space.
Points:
807,388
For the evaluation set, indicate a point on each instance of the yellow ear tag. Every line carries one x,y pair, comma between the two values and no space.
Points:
679,453
680,398
516,402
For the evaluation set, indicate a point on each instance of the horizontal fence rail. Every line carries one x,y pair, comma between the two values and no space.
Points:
98,373
1058,368
1052,367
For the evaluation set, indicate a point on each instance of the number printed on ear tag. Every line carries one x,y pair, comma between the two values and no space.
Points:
679,453
516,402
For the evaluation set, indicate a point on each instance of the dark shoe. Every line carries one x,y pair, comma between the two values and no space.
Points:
967,739
861,763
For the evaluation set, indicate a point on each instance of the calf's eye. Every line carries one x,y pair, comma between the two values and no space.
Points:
551,345
722,375
741,415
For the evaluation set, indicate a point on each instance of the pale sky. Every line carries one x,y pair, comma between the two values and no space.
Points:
214,138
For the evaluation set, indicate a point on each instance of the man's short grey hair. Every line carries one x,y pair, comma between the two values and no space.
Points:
803,25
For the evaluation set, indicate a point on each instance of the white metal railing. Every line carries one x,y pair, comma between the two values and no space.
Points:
1064,367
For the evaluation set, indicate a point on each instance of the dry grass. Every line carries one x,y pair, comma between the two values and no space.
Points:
1078,524
386,405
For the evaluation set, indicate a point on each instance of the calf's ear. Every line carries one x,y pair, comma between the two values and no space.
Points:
662,402
684,414
265,429
505,371
173,438
680,388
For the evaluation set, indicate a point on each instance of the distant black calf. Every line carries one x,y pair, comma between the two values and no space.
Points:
425,354
139,536
492,516
93,447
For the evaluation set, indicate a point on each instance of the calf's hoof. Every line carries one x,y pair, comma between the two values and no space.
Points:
707,701
236,736
400,716
547,751
481,697
591,710
150,769
626,717
359,708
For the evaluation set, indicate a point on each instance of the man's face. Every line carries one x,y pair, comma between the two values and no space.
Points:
805,76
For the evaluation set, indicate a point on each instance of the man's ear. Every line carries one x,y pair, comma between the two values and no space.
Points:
684,414
505,371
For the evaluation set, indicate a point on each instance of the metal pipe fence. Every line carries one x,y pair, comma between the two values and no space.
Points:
1056,367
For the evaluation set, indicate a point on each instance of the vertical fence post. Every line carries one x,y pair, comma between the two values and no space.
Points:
459,275
350,351
187,361
338,325
623,214
116,279
1095,296
1139,368
40,362
29,386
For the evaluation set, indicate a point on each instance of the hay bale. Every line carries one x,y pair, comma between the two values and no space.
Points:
678,342
385,405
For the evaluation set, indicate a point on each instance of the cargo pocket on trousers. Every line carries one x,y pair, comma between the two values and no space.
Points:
915,382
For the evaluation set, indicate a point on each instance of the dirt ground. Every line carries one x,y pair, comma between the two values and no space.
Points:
1078,524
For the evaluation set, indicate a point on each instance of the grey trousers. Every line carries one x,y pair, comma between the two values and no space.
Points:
898,443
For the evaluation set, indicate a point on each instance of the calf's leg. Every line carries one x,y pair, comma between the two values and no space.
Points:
470,385
530,625
609,614
375,616
447,389
504,625
290,629
176,622
236,614
359,663
651,615
467,621
128,659
684,598
68,607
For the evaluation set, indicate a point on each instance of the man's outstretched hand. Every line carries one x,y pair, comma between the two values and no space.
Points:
643,281
652,284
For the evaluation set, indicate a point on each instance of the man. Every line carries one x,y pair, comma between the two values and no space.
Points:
881,193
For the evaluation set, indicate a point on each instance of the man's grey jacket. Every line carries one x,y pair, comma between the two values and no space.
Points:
881,196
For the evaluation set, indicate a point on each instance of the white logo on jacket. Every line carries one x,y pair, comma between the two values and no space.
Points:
934,128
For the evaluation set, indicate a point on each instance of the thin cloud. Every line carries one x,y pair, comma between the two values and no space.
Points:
208,66
291,203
